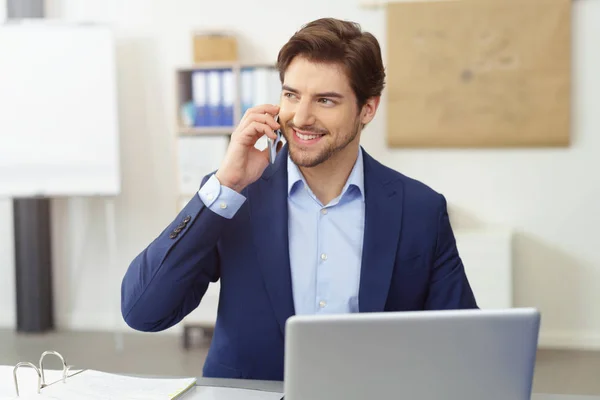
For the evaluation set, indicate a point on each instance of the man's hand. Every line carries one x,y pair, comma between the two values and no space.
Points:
243,163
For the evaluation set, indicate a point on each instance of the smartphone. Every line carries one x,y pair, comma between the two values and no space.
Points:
272,144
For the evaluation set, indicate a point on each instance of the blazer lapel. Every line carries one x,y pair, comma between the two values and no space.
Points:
269,215
383,217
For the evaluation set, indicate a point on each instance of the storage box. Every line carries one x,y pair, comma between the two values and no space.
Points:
214,47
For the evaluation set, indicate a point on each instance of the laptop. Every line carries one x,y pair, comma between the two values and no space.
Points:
426,355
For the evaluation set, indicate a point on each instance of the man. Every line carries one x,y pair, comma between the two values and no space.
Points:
325,229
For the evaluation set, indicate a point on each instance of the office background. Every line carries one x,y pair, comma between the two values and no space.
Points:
546,197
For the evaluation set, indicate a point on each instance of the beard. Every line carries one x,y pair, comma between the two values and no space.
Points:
323,152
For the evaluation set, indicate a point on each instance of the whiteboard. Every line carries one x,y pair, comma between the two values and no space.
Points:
58,110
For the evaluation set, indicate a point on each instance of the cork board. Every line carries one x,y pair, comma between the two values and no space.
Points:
479,73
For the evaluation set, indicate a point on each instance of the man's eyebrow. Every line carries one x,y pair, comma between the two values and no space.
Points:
330,94
324,94
289,89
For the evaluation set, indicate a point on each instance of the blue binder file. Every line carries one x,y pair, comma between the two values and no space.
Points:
214,97
227,97
199,98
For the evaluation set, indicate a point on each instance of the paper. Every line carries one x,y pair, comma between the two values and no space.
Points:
92,385
28,380
223,393
479,73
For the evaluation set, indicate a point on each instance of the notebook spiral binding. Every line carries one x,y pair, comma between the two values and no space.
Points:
40,370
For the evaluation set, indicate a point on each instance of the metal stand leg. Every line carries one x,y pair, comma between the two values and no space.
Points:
111,240
33,263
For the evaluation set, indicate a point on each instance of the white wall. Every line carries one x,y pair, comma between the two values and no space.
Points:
549,197
7,276
2,10
545,195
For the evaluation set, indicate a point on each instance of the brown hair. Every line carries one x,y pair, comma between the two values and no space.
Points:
331,40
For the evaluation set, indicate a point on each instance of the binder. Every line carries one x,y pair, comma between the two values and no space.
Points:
87,383
214,97
199,98
227,97
261,87
247,88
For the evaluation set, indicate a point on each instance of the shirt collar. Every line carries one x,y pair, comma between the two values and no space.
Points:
356,178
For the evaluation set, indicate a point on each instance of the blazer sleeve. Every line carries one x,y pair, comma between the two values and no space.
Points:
449,285
167,280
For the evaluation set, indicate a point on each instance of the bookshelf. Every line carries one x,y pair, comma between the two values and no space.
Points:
185,94
201,143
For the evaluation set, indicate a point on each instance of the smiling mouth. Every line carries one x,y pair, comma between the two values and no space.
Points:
306,136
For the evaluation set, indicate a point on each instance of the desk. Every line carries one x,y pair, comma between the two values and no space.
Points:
270,386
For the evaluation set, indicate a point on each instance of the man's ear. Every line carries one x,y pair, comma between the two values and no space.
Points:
369,109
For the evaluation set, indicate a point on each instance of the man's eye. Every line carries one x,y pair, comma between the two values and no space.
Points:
289,95
326,101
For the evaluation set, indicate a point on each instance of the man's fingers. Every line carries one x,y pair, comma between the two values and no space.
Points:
262,129
258,121
262,109
267,119
272,109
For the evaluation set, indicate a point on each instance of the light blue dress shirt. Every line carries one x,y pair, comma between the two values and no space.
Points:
325,240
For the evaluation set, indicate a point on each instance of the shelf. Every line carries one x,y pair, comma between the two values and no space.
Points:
205,131
223,65
208,65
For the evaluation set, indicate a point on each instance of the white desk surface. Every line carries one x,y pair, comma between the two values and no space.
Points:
273,386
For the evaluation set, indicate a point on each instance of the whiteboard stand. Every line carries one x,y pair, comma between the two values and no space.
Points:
111,240
59,137
33,264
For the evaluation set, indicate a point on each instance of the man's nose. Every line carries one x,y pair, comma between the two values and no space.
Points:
303,114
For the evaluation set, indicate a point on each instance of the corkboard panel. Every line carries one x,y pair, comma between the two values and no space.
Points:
479,73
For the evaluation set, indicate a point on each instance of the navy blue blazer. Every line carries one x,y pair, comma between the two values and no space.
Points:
409,262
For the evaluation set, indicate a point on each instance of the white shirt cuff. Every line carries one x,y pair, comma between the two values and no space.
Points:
220,199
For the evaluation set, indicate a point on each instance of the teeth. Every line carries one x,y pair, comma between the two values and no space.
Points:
306,137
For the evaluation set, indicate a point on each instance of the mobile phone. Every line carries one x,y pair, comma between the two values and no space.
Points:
272,144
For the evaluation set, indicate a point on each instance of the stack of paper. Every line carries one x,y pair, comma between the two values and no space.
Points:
28,381
91,385
96,385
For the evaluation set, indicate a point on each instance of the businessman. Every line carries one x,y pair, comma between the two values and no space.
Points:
325,229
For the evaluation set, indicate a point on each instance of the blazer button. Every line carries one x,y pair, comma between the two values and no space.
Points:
187,219
173,235
178,229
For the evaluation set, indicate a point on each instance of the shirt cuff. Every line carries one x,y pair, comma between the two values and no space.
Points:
220,199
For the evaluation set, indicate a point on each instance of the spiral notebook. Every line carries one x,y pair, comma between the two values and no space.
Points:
71,384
